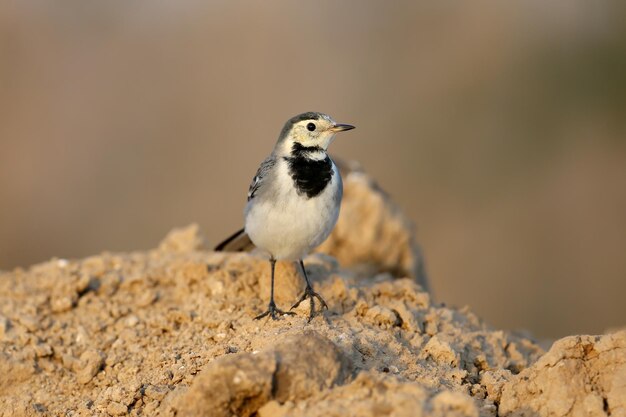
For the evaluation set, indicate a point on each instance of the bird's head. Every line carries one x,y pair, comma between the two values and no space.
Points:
309,130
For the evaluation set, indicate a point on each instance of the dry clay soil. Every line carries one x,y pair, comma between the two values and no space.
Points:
170,332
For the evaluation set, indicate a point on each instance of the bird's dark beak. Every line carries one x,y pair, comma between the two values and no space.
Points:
339,127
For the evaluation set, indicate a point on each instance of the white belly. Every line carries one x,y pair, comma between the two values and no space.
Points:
288,225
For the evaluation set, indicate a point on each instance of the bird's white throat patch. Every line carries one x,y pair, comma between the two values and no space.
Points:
316,155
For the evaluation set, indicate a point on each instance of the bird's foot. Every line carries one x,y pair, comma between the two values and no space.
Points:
312,295
273,312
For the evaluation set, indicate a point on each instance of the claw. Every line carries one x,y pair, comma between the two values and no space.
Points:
309,293
272,310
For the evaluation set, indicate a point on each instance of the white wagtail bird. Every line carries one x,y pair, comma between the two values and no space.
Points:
293,200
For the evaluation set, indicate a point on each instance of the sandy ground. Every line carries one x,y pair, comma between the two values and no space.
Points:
170,332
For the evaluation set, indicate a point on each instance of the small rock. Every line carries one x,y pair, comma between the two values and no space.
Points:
40,408
69,361
441,352
233,385
90,363
115,394
308,363
216,286
30,322
43,350
117,409
383,317
109,283
131,321
146,298
59,305
156,392
86,283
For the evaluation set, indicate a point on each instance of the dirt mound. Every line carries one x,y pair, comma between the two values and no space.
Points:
171,332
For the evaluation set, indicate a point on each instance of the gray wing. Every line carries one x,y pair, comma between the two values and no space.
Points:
261,175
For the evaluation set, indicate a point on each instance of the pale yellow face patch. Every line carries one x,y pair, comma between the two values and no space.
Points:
312,132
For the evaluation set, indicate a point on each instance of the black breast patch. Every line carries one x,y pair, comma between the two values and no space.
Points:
310,176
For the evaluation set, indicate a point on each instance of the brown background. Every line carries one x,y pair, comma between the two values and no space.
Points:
498,126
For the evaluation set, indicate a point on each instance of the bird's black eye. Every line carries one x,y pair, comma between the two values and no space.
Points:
311,126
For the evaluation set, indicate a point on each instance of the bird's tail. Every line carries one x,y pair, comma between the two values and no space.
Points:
238,242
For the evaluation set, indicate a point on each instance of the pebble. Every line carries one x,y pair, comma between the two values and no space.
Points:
90,363
132,321
156,392
43,350
59,305
30,322
147,298
117,409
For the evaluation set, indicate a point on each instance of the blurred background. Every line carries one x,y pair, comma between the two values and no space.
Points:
498,126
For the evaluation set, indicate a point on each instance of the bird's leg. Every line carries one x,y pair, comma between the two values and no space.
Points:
272,309
309,293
